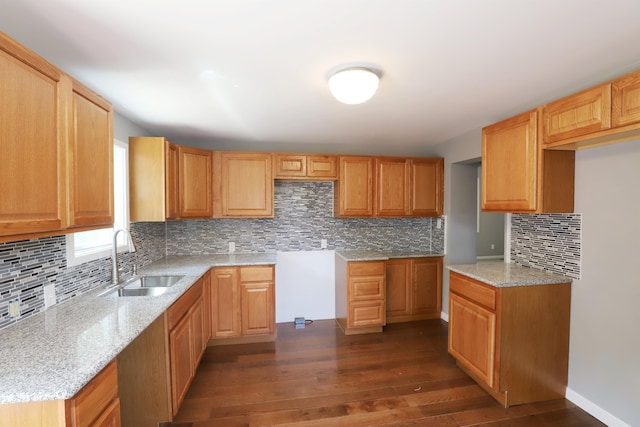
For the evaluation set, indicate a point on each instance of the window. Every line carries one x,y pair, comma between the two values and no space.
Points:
89,245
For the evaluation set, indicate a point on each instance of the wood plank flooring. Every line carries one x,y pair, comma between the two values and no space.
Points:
319,377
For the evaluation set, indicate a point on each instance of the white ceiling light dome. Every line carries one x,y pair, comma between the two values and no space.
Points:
354,85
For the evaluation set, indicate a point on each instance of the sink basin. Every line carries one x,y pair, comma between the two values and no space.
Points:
141,292
155,281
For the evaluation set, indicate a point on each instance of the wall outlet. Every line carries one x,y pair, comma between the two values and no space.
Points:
323,243
49,295
14,307
493,246
232,247
439,223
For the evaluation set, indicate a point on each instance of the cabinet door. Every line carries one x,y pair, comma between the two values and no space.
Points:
399,288
290,166
355,187
392,187
97,402
366,313
181,360
325,167
576,115
90,160
33,173
427,286
195,183
110,417
257,308
225,303
472,335
625,93
246,185
509,164
197,328
427,187
172,181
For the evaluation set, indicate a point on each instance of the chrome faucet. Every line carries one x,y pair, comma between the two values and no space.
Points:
115,272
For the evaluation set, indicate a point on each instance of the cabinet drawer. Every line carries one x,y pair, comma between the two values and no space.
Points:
256,274
366,288
366,268
367,313
95,397
186,301
473,290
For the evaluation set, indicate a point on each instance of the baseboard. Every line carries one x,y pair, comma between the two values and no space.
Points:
444,316
593,409
490,257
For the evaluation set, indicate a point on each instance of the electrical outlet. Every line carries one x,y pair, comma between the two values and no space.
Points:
323,243
439,223
14,307
49,295
232,247
493,246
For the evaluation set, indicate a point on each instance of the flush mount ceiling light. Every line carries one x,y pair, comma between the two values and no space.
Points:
353,85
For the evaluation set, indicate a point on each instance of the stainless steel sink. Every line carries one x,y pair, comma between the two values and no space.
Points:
155,281
141,292
144,286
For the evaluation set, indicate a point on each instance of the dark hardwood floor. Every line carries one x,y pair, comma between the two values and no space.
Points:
319,377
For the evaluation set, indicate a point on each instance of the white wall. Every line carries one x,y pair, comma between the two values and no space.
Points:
604,361
491,230
305,285
460,174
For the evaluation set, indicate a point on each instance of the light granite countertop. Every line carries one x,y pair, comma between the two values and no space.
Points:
505,275
367,255
52,355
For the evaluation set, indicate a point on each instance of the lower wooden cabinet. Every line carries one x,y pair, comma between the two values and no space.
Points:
96,405
414,289
243,304
360,295
514,341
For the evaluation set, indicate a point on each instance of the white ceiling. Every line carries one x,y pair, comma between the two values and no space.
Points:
449,66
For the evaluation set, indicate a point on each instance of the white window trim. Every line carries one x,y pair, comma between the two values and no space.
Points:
103,251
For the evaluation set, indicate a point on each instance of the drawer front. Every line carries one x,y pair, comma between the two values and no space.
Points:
366,288
180,307
256,274
95,397
473,290
366,313
368,268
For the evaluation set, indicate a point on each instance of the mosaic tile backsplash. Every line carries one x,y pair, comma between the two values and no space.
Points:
548,242
29,265
303,216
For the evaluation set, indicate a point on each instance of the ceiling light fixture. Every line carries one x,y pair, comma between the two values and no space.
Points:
353,85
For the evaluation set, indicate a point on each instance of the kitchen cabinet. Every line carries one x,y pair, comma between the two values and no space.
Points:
577,115
195,174
392,186
154,189
96,404
52,180
243,185
156,369
360,295
427,187
90,160
310,167
518,175
354,194
514,341
414,289
625,103
243,304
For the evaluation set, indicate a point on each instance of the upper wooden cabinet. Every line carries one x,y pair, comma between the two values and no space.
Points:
518,175
90,159
56,143
153,179
625,108
310,167
427,187
195,174
354,195
392,185
576,115
243,185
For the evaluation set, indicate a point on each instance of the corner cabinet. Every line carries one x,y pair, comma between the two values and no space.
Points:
514,341
154,188
518,175
360,296
414,289
243,304
59,175
243,185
